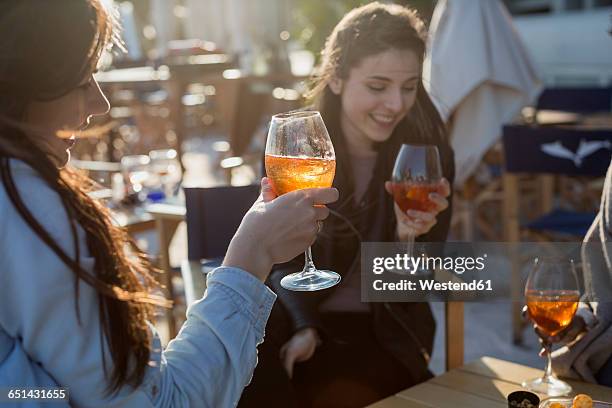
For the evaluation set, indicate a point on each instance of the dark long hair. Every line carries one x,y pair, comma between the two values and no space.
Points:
47,48
363,32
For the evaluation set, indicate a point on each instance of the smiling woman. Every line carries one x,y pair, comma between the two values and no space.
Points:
335,350
376,97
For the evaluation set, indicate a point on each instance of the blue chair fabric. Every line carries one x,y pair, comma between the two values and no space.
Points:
557,150
213,216
580,100
560,151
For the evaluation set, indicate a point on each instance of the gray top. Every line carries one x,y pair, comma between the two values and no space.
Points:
584,358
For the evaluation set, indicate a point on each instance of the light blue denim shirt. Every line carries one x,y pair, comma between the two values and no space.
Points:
43,345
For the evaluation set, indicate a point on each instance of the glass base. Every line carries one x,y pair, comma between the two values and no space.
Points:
550,386
310,281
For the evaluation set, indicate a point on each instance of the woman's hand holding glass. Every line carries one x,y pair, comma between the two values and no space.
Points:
573,332
275,230
552,294
414,223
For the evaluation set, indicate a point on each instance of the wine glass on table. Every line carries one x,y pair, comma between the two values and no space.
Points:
552,297
299,155
417,173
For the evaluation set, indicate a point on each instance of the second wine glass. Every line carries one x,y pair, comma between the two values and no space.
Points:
300,154
417,173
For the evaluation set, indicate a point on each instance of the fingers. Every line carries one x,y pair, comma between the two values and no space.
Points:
388,187
321,213
267,190
440,202
411,226
420,221
288,362
420,216
545,338
445,188
321,196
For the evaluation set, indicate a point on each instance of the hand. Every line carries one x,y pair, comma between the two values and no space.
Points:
576,328
278,230
299,348
414,223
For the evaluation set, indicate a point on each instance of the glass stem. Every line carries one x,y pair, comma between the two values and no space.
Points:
410,249
549,372
309,266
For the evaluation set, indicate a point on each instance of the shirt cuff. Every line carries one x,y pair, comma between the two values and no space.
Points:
248,293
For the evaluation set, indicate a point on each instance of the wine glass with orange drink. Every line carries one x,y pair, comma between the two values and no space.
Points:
417,173
552,295
299,155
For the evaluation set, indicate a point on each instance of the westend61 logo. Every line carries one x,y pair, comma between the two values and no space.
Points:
410,265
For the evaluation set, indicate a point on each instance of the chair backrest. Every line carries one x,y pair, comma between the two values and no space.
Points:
213,216
557,150
582,100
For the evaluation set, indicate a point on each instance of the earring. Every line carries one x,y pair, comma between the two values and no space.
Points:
335,85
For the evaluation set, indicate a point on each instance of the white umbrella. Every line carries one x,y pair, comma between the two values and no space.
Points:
478,74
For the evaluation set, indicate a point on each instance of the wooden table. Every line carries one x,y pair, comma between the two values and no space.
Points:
483,383
167,218
164,218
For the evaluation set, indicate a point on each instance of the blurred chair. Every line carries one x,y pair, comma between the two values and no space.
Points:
536,159
477,202
483,191
213,216
580,100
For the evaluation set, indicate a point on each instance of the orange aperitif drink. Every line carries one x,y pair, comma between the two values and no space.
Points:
414,196
296,173
552,311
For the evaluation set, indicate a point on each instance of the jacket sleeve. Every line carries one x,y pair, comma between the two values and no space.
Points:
597,256
213,357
